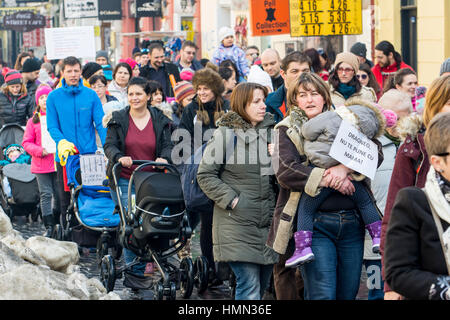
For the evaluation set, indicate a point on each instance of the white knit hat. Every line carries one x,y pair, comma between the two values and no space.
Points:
259,76
225,32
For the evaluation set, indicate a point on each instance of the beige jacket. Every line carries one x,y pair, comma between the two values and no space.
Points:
365,93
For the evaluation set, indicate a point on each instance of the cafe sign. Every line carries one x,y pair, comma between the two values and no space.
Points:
24,21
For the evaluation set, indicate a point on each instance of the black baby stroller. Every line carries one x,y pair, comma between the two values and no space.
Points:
19,191
155,217
90,220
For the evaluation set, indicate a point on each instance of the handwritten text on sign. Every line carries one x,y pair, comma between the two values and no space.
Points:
325,17
93,169
354,150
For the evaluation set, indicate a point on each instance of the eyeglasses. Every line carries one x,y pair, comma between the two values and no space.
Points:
346,70
144,50
362,76
98,87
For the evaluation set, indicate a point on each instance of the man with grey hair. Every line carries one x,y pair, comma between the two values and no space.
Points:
400,103
271,63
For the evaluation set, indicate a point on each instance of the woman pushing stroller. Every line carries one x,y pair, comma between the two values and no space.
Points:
137,132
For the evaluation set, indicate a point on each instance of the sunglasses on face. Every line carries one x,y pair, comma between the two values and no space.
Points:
444,154
346,70
362,76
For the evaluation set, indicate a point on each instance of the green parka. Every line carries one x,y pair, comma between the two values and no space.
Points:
240,234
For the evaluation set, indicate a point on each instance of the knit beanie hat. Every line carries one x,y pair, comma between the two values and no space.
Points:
132,63
42,90
13,77
89,69
182,90
225,32
31,65
349,58
359,49
101,53
445,67
187,74
107,72
258,75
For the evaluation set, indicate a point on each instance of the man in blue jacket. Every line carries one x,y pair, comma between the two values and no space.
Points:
74,113
292,66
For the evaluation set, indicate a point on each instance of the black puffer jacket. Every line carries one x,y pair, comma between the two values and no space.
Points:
117,131
15,109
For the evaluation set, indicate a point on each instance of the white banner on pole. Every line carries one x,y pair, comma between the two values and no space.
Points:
354,150
74,41
93,169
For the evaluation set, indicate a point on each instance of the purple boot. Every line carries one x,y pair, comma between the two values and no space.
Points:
375,232
302,253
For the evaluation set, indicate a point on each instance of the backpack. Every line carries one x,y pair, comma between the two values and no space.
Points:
195,199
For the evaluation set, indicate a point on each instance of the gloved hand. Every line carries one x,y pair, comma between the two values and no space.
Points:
65,149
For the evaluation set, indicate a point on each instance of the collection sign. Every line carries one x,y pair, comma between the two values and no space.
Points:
325,17
24,21
354,150
270,17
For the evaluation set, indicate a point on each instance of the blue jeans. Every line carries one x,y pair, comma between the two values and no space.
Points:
338,245
251,279
375,282
128,255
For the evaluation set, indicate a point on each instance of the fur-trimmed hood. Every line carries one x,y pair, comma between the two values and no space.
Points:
234,121
410,126
374,108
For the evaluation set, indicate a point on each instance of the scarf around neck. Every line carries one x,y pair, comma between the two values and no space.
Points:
346,90
438,191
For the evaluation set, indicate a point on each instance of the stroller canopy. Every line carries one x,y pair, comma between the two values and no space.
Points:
11,133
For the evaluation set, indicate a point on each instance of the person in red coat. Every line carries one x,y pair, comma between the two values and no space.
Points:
412,164
388,62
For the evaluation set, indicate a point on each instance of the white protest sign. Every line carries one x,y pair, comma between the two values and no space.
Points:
74,41
354,150
93,169
47,142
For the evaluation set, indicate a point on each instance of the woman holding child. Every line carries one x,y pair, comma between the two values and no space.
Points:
337,238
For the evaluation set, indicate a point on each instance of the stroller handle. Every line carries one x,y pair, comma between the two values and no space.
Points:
145,163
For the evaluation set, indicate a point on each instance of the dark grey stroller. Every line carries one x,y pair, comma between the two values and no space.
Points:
155,217
20,196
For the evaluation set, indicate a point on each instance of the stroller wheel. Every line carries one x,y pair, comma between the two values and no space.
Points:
173,292
187,277
102,250
159,291
107,273
201,272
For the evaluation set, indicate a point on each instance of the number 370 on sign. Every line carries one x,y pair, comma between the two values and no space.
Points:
325,17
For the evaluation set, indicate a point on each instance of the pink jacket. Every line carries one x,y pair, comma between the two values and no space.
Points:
33,145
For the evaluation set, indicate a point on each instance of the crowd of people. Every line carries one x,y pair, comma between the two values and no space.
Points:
287,217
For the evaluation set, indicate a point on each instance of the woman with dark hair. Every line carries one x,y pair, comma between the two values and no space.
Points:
118,86
405,80
137,132
229,81
244,197
231,65
197,124
98,83
366,78
316,63
343,81
388,61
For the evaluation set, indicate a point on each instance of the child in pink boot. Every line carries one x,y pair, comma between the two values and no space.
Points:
319,134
